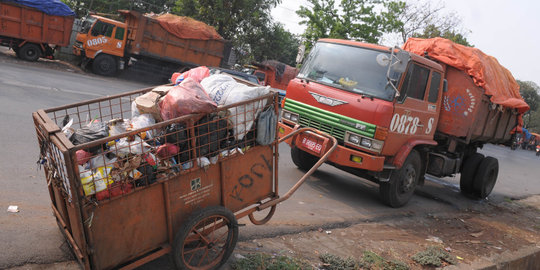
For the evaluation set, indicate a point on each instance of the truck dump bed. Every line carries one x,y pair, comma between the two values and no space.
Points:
147,37
32,25
483,103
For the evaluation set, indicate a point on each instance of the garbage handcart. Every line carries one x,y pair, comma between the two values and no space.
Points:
176,186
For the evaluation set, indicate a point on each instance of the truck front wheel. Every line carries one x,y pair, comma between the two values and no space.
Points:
29,52
399,190
302,159
104,65
485,177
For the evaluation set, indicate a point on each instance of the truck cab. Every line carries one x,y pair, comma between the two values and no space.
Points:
102,41
380,104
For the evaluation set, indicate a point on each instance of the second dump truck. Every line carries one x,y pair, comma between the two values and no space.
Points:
160,45
401,114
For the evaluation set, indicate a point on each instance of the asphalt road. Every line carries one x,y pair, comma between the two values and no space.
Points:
330,198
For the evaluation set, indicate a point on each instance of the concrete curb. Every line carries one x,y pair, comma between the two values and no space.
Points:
523,259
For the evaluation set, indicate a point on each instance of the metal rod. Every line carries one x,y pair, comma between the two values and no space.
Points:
315,167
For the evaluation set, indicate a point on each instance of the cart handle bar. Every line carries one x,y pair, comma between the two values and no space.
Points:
315,167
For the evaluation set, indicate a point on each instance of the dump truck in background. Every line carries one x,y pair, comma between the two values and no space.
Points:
35,29
158,45
275,74
399,116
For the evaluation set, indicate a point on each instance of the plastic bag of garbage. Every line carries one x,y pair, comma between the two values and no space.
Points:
187,98
266,126
224,90
142,121
198,74
91,132
124,147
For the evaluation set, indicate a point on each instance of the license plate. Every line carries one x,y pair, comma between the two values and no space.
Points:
311,145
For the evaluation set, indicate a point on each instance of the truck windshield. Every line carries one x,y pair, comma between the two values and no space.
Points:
87,24
349,68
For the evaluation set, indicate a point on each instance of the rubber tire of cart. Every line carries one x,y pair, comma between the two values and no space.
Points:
468,172
29,52
105,65
393,192
485,177
191,224
302,159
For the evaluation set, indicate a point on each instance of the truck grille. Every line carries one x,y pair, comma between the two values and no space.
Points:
332,123
338,133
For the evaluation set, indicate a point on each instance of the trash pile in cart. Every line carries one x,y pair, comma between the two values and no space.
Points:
171,129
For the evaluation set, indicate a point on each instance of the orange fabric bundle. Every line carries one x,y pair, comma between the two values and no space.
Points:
485,70
187,28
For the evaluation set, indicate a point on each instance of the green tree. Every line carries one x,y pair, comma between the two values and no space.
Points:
428,19
247,24
82,7
432,31
529,91
273,43
231,18
364,20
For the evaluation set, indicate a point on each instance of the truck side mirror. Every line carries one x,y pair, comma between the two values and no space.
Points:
403,58
445,86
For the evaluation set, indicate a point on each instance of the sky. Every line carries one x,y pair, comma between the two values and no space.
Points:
507,30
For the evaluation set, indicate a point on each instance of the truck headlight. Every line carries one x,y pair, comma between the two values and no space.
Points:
366,142
376,145
293,117
354,139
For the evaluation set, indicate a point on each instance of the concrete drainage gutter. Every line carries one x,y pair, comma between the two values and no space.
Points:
523,259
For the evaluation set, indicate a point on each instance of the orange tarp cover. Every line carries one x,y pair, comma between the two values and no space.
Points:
187,28
485,70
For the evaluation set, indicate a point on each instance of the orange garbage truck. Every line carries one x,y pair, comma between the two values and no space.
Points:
35,29
399,114
159,44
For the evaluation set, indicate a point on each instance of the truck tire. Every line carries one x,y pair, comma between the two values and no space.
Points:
485,177
470,167
105,65
302,159
200,244
399,190
29,52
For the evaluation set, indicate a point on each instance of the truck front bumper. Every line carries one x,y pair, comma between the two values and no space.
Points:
343,156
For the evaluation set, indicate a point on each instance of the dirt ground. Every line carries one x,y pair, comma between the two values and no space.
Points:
472,236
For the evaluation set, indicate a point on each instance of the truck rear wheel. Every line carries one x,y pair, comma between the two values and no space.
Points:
104,65
29,52
399,190
468,172
485,177
302,159
206,239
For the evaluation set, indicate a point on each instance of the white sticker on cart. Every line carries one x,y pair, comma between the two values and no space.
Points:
197,196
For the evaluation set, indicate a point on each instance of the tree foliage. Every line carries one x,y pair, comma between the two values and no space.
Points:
247,23
364,20
82,7
530,93
428,20
231,18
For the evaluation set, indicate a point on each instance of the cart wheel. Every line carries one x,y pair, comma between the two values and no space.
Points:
470,166
265,219
206,239
399,190
302,159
